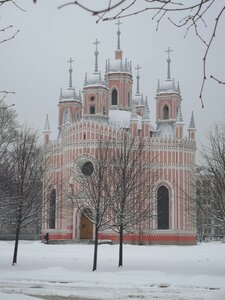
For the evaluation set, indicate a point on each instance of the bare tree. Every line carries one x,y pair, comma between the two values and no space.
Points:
190,15
7,127
211,187
132,179
21,182
92,196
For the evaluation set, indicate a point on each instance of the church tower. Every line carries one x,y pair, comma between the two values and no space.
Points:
168,99
95,94
70,104
119,78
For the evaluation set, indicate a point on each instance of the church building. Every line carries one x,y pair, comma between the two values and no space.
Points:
105,106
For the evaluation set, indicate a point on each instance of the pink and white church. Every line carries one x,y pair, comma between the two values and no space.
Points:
107,105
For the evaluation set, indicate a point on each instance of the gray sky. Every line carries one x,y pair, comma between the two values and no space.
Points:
34,64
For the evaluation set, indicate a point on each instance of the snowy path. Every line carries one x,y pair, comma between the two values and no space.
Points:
149,272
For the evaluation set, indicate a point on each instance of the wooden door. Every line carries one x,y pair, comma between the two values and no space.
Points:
86,228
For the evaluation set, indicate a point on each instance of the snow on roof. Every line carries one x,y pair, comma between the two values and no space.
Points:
167,86
69,94
165,130
121,118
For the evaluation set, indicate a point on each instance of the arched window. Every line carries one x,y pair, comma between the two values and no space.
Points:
92,109
165,112
52,209
114,97
163,207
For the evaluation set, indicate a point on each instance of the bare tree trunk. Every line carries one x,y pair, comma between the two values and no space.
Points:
121,246
16,245
95,249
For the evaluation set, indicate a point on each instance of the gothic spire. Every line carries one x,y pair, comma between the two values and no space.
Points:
192,122
146,110
47,126
179,115
96,55
168,63
133,115
138,79
70,72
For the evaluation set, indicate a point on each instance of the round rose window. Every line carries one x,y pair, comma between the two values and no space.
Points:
87,168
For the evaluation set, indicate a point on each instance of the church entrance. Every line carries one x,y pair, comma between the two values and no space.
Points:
86,228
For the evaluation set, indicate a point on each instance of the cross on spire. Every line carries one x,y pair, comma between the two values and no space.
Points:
138,78
168,62
118,33
70,71
96,54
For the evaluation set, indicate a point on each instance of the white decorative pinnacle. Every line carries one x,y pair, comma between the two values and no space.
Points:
192,122
133,115
146,110
179,115
47,126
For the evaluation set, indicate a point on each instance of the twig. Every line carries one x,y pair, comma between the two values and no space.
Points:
94,12
216,79
207,51
10,38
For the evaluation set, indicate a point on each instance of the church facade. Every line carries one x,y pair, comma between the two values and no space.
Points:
104,108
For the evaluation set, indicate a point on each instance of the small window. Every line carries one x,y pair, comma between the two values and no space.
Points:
92,109
114,97
92,98
84,136
103,109
165,112
129,99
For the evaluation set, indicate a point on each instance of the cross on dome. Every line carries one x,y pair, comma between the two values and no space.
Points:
96,54
70,61
118,33
138,78
168,62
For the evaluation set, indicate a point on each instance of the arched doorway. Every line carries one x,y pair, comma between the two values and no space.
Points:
86,227
163,207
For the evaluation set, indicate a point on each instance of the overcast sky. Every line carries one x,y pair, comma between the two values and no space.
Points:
34,64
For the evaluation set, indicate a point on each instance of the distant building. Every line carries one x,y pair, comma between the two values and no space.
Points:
209,227
105,107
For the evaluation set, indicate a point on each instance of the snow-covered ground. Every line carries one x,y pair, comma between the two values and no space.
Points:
149,272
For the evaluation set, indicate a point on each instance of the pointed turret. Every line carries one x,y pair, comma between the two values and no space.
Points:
192,122
46,130
146,110
146,121
192,129
179,123
133,120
